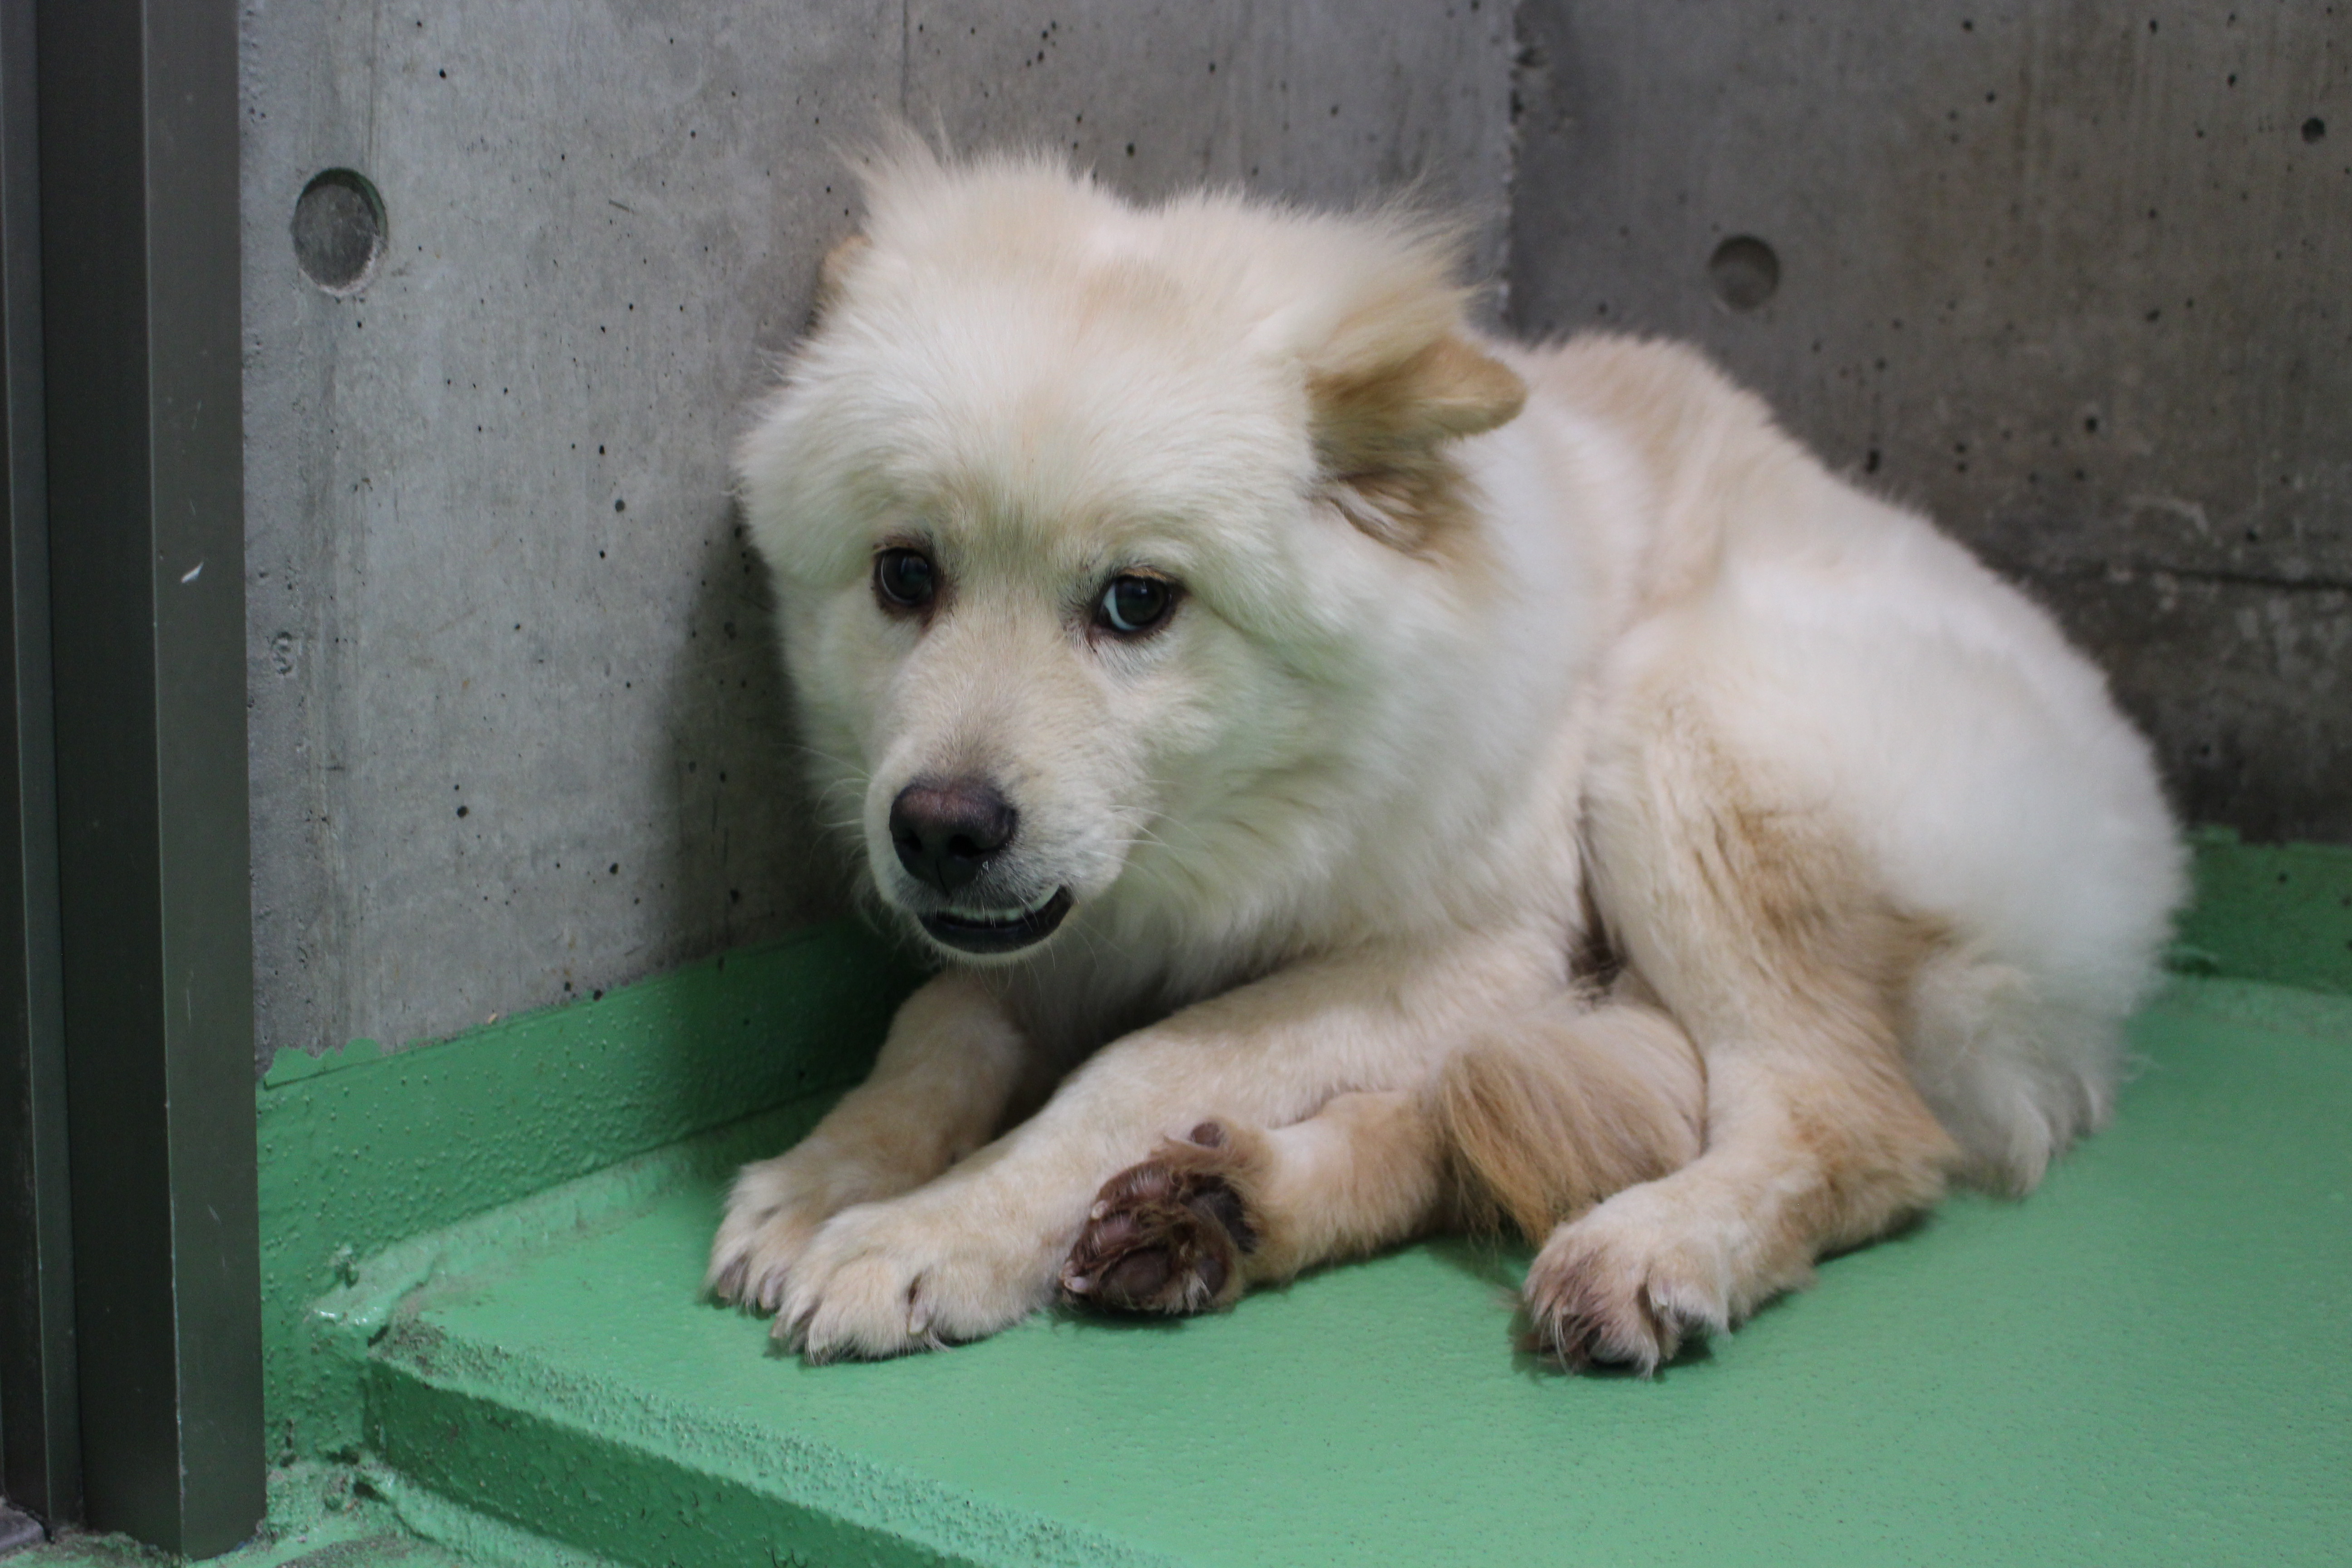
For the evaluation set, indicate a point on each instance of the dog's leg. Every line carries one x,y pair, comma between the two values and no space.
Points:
1537,1121
1764,931
985,1244
938,1090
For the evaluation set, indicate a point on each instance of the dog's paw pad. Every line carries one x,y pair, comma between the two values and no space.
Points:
1166,1236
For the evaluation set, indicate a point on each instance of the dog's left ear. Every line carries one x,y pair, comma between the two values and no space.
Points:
1380,429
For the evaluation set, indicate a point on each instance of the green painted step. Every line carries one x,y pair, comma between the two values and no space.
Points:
2144,1362
479,1259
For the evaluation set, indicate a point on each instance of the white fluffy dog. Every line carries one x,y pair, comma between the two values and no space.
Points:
1367,778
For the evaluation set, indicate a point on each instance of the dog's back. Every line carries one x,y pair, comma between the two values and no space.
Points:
1865,684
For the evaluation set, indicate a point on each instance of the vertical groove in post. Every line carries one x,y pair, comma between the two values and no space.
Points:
94,332
139,183
40,1465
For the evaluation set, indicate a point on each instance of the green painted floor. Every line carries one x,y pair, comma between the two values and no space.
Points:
2149,1361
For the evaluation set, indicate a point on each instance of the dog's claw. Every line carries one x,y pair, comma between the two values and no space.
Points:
726,1285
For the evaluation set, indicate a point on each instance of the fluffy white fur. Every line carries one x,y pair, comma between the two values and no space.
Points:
1602,817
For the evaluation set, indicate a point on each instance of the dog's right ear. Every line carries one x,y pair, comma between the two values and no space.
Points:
1372,415
833,272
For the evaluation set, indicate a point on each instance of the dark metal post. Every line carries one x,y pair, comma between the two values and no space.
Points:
139,240
40,1442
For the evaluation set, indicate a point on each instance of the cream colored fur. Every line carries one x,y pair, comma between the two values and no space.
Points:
1494,664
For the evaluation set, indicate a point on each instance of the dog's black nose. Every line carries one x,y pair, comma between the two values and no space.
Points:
945,833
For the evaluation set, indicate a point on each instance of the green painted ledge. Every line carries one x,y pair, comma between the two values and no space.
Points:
344,1516
389,1180
361,1149
2280,912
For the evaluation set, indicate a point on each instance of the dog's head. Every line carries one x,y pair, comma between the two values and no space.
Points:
1084,518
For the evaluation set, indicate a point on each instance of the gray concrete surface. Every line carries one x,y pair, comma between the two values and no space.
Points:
516,729
2078,278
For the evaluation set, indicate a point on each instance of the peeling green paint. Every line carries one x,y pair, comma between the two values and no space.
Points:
343,1516
361,1149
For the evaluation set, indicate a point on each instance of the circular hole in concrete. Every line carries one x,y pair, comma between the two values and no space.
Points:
339,231
1745,272
2315,129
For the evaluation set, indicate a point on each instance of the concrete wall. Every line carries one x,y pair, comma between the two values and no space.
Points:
2075,278
2078,278
516,729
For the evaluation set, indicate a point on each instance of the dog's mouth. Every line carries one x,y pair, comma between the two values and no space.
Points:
998,930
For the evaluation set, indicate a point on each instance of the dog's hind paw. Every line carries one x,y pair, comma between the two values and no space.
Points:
1168,1234
1620,1287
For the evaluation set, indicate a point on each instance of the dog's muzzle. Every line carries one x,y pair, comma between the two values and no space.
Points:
947,834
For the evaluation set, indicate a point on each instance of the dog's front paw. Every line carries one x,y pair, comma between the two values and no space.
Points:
1168,1234
1628,1285
917,1273
774,1210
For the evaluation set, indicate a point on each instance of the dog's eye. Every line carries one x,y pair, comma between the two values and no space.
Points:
1133,605
905,579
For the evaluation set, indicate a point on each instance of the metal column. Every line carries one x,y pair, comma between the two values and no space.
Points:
138,127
